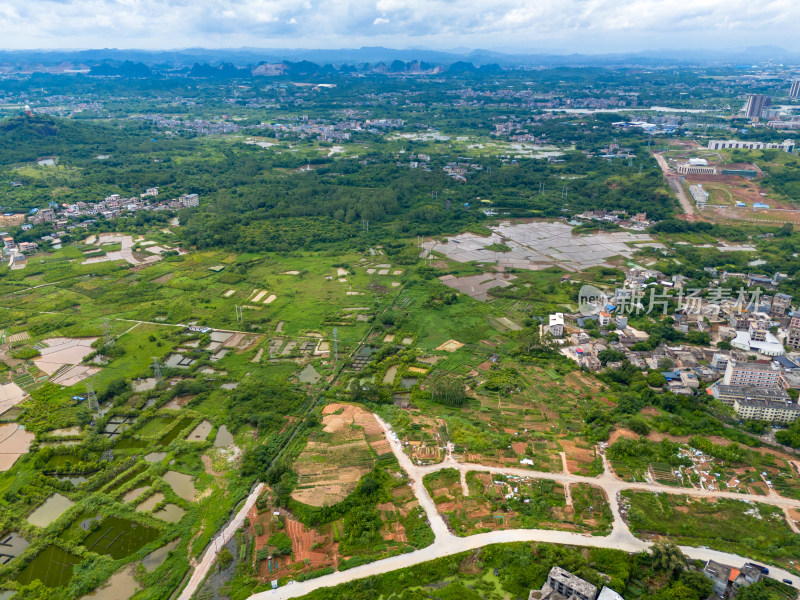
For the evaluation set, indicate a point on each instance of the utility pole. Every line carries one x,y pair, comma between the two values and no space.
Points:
157,370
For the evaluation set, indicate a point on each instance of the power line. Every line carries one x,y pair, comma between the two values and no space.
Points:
335,345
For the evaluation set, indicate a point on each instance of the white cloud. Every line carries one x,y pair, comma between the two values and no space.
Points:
561,25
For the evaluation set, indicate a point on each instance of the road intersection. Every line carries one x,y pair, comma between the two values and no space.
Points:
446,544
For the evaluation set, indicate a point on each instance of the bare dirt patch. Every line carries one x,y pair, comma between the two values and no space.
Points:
332,463
450,346
622,433
14,442
577,457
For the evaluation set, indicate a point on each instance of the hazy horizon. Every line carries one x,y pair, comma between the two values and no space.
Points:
508,26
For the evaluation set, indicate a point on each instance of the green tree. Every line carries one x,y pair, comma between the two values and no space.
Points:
638,425
281,542
610,355
225,558
698,582
448,389
756,591
667,557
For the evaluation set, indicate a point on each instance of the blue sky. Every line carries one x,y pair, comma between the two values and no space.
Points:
561,26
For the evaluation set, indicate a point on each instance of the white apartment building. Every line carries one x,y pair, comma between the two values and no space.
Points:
786,145
752,374
773,411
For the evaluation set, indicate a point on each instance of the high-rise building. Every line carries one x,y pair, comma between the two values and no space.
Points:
794,91
756,103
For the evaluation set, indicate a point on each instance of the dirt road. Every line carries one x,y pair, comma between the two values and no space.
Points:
674,181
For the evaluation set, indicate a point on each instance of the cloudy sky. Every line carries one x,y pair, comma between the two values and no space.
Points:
505,25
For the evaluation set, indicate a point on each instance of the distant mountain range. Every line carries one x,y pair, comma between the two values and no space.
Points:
111,61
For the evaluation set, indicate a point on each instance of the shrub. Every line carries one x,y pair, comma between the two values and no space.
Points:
281,542
25,353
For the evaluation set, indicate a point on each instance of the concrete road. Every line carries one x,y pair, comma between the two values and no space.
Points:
446,544
217,544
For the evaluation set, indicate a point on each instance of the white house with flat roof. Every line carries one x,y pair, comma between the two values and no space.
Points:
556,325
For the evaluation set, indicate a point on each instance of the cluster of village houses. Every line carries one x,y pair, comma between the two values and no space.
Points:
69,217
727,581
760,330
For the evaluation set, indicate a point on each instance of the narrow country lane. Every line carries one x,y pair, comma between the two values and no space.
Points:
210,555
674,181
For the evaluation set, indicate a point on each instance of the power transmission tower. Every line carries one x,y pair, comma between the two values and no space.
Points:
157,370
108,339
94,405
335,345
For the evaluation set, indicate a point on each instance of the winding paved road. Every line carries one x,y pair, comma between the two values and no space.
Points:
446,544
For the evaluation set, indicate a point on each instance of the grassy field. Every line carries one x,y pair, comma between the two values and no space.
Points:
755,530
115,466
498,502
682,461
542,418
